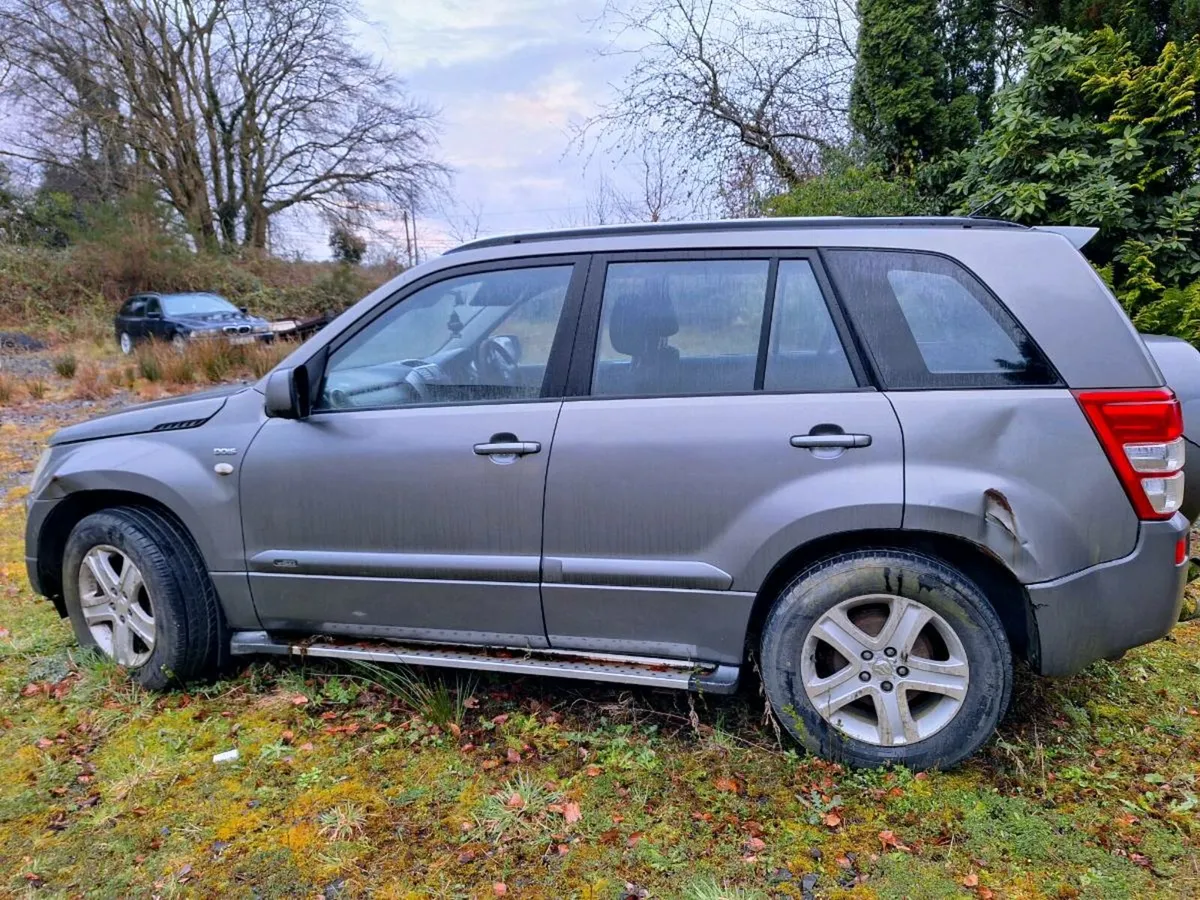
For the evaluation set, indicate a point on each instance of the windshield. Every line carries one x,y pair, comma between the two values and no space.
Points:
187,304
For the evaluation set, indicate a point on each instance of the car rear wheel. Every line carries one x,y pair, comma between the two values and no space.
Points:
179,341
136,590
125,342
886,656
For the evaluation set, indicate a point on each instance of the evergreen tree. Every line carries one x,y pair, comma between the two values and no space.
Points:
1149,25
923,80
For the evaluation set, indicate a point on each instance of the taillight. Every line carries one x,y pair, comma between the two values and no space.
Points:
1142,434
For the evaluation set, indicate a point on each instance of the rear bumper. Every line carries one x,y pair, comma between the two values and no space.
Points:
1104,610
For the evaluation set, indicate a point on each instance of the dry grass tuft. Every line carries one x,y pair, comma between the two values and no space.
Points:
91,383
66,365
8,389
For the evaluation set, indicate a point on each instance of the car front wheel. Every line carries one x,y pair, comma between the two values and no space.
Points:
137,591
886,656
125,342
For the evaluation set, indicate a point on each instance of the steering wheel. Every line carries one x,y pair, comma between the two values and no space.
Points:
495,364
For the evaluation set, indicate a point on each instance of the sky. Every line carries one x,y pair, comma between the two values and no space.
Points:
509,77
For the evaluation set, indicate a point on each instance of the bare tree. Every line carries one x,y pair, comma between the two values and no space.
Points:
661,192
721,77
237,110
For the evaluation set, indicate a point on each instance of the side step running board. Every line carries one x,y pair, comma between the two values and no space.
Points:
710,678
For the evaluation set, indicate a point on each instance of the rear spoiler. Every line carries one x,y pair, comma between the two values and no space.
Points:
1078,235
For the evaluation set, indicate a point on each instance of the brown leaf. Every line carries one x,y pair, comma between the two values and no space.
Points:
465,857
499,888
832,820
728,784
44,743
571,812
454,730
984,893
471,703
467,748
515,801
889,840
512,756
971,880
633,839
500,719
562,849
299,700
30,689
756,845
306,747
3,633
592,771
287,737
610,837
490,763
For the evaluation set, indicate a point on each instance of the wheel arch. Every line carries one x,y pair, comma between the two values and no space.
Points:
69,512
999,585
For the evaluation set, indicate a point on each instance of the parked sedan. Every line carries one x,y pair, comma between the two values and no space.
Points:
180,317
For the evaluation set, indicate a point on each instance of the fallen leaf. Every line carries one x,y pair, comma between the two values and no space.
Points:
465,857
727,784
971,880
592,771
515,801
307,747
44,743
512,756
470,703
756,845
890,841
571,812
832,820
299,700
454,730
500,719
500,888
843,862
562,849
286,737
467,748
3,633
985,894
633,839
490,763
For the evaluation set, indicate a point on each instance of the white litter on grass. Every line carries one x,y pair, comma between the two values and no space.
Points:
227,756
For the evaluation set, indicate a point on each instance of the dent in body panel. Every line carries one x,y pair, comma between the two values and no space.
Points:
1019,472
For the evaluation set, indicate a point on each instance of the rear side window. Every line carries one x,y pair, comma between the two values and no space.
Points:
680,327
929,323
805,352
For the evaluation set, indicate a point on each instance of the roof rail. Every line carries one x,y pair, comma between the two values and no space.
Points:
766,224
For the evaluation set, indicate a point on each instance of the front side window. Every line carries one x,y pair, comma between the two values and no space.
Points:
152,307
484,336
680,327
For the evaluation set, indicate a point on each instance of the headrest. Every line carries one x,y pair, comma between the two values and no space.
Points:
641,318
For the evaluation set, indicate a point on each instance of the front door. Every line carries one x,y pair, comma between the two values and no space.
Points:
409,504
720,423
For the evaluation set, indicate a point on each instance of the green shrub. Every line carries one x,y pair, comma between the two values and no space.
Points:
66,364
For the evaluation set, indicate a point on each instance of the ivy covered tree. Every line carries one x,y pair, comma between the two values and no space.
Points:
1093,136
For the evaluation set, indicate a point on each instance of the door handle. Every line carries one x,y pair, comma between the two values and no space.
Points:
843,441
507,448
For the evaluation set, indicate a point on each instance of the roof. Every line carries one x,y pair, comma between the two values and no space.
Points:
738,225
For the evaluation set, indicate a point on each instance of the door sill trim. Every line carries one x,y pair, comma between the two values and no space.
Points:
680,674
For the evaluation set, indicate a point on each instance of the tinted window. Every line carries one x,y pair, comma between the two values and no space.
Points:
680,327
930,323
152,308
134,306
805,352
485,336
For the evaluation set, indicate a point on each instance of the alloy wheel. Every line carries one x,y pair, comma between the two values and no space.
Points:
116,605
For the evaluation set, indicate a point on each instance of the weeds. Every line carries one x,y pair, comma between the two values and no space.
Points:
149,363
711,889
91,383
433,699
37,388
66,364
343,822
519,809
8,389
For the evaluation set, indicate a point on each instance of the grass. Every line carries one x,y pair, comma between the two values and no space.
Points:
377,781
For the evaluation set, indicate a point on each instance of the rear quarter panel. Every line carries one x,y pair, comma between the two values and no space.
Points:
1017,471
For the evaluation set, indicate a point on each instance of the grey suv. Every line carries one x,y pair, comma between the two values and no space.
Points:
879,459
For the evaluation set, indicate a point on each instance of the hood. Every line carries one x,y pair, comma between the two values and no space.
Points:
217,319
172,414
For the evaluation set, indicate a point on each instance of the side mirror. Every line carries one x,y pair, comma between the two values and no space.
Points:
245,310
287,393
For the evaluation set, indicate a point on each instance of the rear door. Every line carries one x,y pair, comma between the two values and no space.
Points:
715,421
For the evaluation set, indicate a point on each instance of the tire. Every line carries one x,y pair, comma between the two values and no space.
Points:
190,638
863,719
125,342
179,341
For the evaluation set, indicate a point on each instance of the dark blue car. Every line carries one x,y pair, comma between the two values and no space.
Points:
178,318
